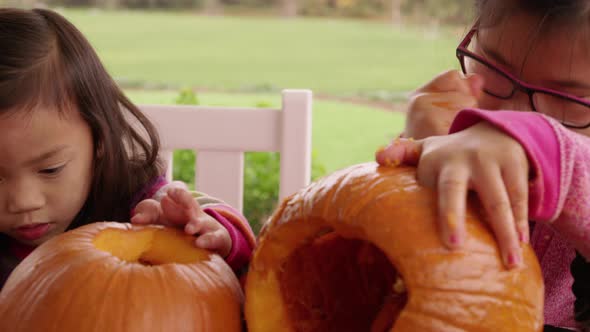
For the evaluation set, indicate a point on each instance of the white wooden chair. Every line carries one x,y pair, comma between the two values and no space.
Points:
221,135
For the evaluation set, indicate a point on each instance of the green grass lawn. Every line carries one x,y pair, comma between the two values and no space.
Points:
263,56
343,134
343,57
339,57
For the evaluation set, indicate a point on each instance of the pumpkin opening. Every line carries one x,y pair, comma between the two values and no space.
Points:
150,246
341,284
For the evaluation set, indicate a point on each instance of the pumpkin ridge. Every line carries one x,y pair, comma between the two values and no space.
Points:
446,320
491,296
81,283
109,283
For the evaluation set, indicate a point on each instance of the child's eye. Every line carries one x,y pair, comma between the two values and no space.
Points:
52,171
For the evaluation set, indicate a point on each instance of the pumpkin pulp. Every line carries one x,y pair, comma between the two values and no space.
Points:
341,284
149,246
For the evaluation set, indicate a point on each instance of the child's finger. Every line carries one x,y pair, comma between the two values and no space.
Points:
142,219
184,199
443,101
431,113
202,224
452,188
218,241
400,151
146,212
174,213
517,188
492,192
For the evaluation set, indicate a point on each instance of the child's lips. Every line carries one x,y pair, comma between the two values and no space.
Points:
33,231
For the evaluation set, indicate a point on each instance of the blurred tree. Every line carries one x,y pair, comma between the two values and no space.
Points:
431,11
396,12
18,3
289,8
212,7
447,11
111,4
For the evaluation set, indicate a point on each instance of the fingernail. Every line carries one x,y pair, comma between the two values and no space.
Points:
513,259
454,240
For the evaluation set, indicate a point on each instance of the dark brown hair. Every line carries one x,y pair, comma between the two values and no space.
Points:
46,61
550,11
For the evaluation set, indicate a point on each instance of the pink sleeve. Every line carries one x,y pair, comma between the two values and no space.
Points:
560,165
242,236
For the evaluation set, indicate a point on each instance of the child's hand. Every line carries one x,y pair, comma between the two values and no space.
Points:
481,158
433,107
179,209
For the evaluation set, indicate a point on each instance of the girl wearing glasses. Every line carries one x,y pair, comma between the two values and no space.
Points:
518,120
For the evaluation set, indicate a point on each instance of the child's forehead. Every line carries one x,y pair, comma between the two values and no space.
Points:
23,135
38,109
39,117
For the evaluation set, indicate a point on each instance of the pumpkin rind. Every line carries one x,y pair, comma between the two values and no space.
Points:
67,284
464,290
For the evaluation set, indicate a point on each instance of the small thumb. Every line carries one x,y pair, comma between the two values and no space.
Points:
404,151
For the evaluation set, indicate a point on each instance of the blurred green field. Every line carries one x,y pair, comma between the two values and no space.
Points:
246,61
262,55
343,134
342,57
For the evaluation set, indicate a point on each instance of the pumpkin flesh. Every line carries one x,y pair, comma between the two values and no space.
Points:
338,284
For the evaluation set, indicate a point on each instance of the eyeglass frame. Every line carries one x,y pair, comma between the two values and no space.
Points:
529,89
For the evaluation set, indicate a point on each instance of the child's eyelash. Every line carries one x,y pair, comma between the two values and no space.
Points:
52,170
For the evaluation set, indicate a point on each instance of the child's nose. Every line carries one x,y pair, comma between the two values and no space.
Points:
23,197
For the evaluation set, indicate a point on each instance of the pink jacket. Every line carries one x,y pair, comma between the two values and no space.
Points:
559,198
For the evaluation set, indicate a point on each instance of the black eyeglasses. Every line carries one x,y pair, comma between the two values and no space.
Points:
571,111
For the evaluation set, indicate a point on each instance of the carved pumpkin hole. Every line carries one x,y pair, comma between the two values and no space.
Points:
341,284
149,247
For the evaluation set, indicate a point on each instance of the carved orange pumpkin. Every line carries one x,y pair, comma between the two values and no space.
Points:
113,277
358,251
